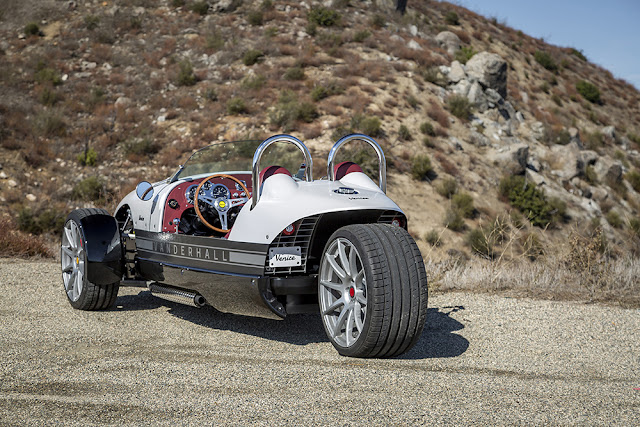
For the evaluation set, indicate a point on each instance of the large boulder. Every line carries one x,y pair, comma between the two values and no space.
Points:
490,70
609,171
456,73
449,41
512,160
568,162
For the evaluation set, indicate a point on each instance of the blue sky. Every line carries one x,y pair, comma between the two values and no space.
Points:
608,32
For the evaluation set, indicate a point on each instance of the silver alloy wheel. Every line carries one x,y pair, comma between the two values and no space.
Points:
72,257
343,292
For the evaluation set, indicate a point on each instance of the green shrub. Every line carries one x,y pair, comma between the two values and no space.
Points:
614,219
404,133
447,187
481,242
255,17
49,96
289,109
91,22
421,167
433,238
531,201
459,106
579,54
323,16
590,175
361,36
41,221
254,82
271,32
454,220
463,203
178,3
252,56
199,7
589,91
89,189
634,179
544,59
48,75
451,18
433,75
368,125
464,54
211,94
185,75
378,21
32,29
561,137
88,157
236,106
326,90
318,93
96,96
294,73
135,147
428,129
412,101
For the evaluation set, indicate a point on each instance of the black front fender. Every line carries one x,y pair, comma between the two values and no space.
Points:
105,259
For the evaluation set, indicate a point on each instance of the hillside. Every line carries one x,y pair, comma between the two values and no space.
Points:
500,146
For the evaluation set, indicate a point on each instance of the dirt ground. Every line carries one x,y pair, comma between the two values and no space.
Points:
481,359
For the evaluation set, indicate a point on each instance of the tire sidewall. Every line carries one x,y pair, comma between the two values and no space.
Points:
345,233
81,302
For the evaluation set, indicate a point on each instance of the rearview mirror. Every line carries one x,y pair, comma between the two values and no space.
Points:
144,191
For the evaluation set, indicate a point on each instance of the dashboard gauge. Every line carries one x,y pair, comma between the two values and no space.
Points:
239,187
220,191
206,186
190,194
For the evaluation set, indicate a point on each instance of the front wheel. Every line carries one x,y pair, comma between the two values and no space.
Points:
82,294
372,290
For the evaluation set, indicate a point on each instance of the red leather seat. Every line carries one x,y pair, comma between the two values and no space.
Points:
270,171
343,169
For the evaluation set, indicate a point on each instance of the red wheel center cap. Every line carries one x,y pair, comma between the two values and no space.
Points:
352,292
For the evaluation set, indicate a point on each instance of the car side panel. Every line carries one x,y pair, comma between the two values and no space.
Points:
284,201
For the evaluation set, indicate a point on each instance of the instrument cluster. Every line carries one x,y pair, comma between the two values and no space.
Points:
212,190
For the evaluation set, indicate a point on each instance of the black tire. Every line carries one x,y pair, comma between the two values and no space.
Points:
395,289
86,295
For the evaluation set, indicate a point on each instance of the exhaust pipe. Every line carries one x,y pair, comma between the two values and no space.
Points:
177,295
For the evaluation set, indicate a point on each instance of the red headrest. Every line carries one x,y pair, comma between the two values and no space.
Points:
342,169
270,171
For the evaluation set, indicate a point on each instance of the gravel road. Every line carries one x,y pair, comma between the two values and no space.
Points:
481,359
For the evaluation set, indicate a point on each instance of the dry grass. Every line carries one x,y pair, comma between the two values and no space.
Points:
584,269
14,243
548,278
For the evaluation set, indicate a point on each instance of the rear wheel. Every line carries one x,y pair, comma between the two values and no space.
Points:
372,290
82,294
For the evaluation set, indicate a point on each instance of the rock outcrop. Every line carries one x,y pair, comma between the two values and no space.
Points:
449,41
490,70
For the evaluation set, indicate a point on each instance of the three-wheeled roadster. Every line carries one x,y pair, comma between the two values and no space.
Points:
243,234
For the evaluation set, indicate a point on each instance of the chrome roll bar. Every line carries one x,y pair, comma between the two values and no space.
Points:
255,167
382,163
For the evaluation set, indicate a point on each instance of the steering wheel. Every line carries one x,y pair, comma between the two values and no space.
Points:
222,205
